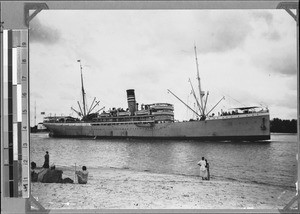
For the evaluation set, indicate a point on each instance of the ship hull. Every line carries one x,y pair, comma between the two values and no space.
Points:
249,127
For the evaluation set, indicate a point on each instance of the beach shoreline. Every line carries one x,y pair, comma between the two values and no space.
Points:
111,188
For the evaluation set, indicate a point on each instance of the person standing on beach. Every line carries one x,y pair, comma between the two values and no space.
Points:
82,176
46,163
203,170
207,168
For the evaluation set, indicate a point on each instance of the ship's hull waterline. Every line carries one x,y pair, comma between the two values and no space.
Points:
248,127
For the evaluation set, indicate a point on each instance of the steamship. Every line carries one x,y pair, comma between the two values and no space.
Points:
156,120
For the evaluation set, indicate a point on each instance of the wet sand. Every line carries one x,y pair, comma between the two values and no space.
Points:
126,189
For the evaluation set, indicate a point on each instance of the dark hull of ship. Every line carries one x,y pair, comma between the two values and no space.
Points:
247,127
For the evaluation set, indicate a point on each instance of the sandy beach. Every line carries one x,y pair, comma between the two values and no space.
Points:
125,189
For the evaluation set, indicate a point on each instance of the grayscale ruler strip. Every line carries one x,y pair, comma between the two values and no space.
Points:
23,110
15,114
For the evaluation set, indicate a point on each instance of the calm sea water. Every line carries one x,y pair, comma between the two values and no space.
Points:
271,163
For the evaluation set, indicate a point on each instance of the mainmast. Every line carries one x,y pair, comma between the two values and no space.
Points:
194,94
82,90
201,94
201,105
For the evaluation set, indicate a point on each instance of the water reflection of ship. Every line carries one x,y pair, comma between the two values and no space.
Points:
156,120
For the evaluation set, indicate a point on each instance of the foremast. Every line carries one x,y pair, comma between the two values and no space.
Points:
82,90
85,112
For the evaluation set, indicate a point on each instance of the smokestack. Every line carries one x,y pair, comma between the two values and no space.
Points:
131,101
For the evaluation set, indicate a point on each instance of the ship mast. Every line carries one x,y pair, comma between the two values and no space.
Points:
194,94
199,84
82,90
85,112
201,93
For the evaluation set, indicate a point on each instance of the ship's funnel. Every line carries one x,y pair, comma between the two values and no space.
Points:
131,101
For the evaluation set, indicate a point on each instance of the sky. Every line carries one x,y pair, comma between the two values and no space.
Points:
248,56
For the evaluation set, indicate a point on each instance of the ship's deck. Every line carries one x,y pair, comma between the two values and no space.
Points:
238,115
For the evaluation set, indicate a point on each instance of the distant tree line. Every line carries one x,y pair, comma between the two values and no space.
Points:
283,126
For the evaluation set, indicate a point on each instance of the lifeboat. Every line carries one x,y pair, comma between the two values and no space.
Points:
125,113
104,114
142,112
162,106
